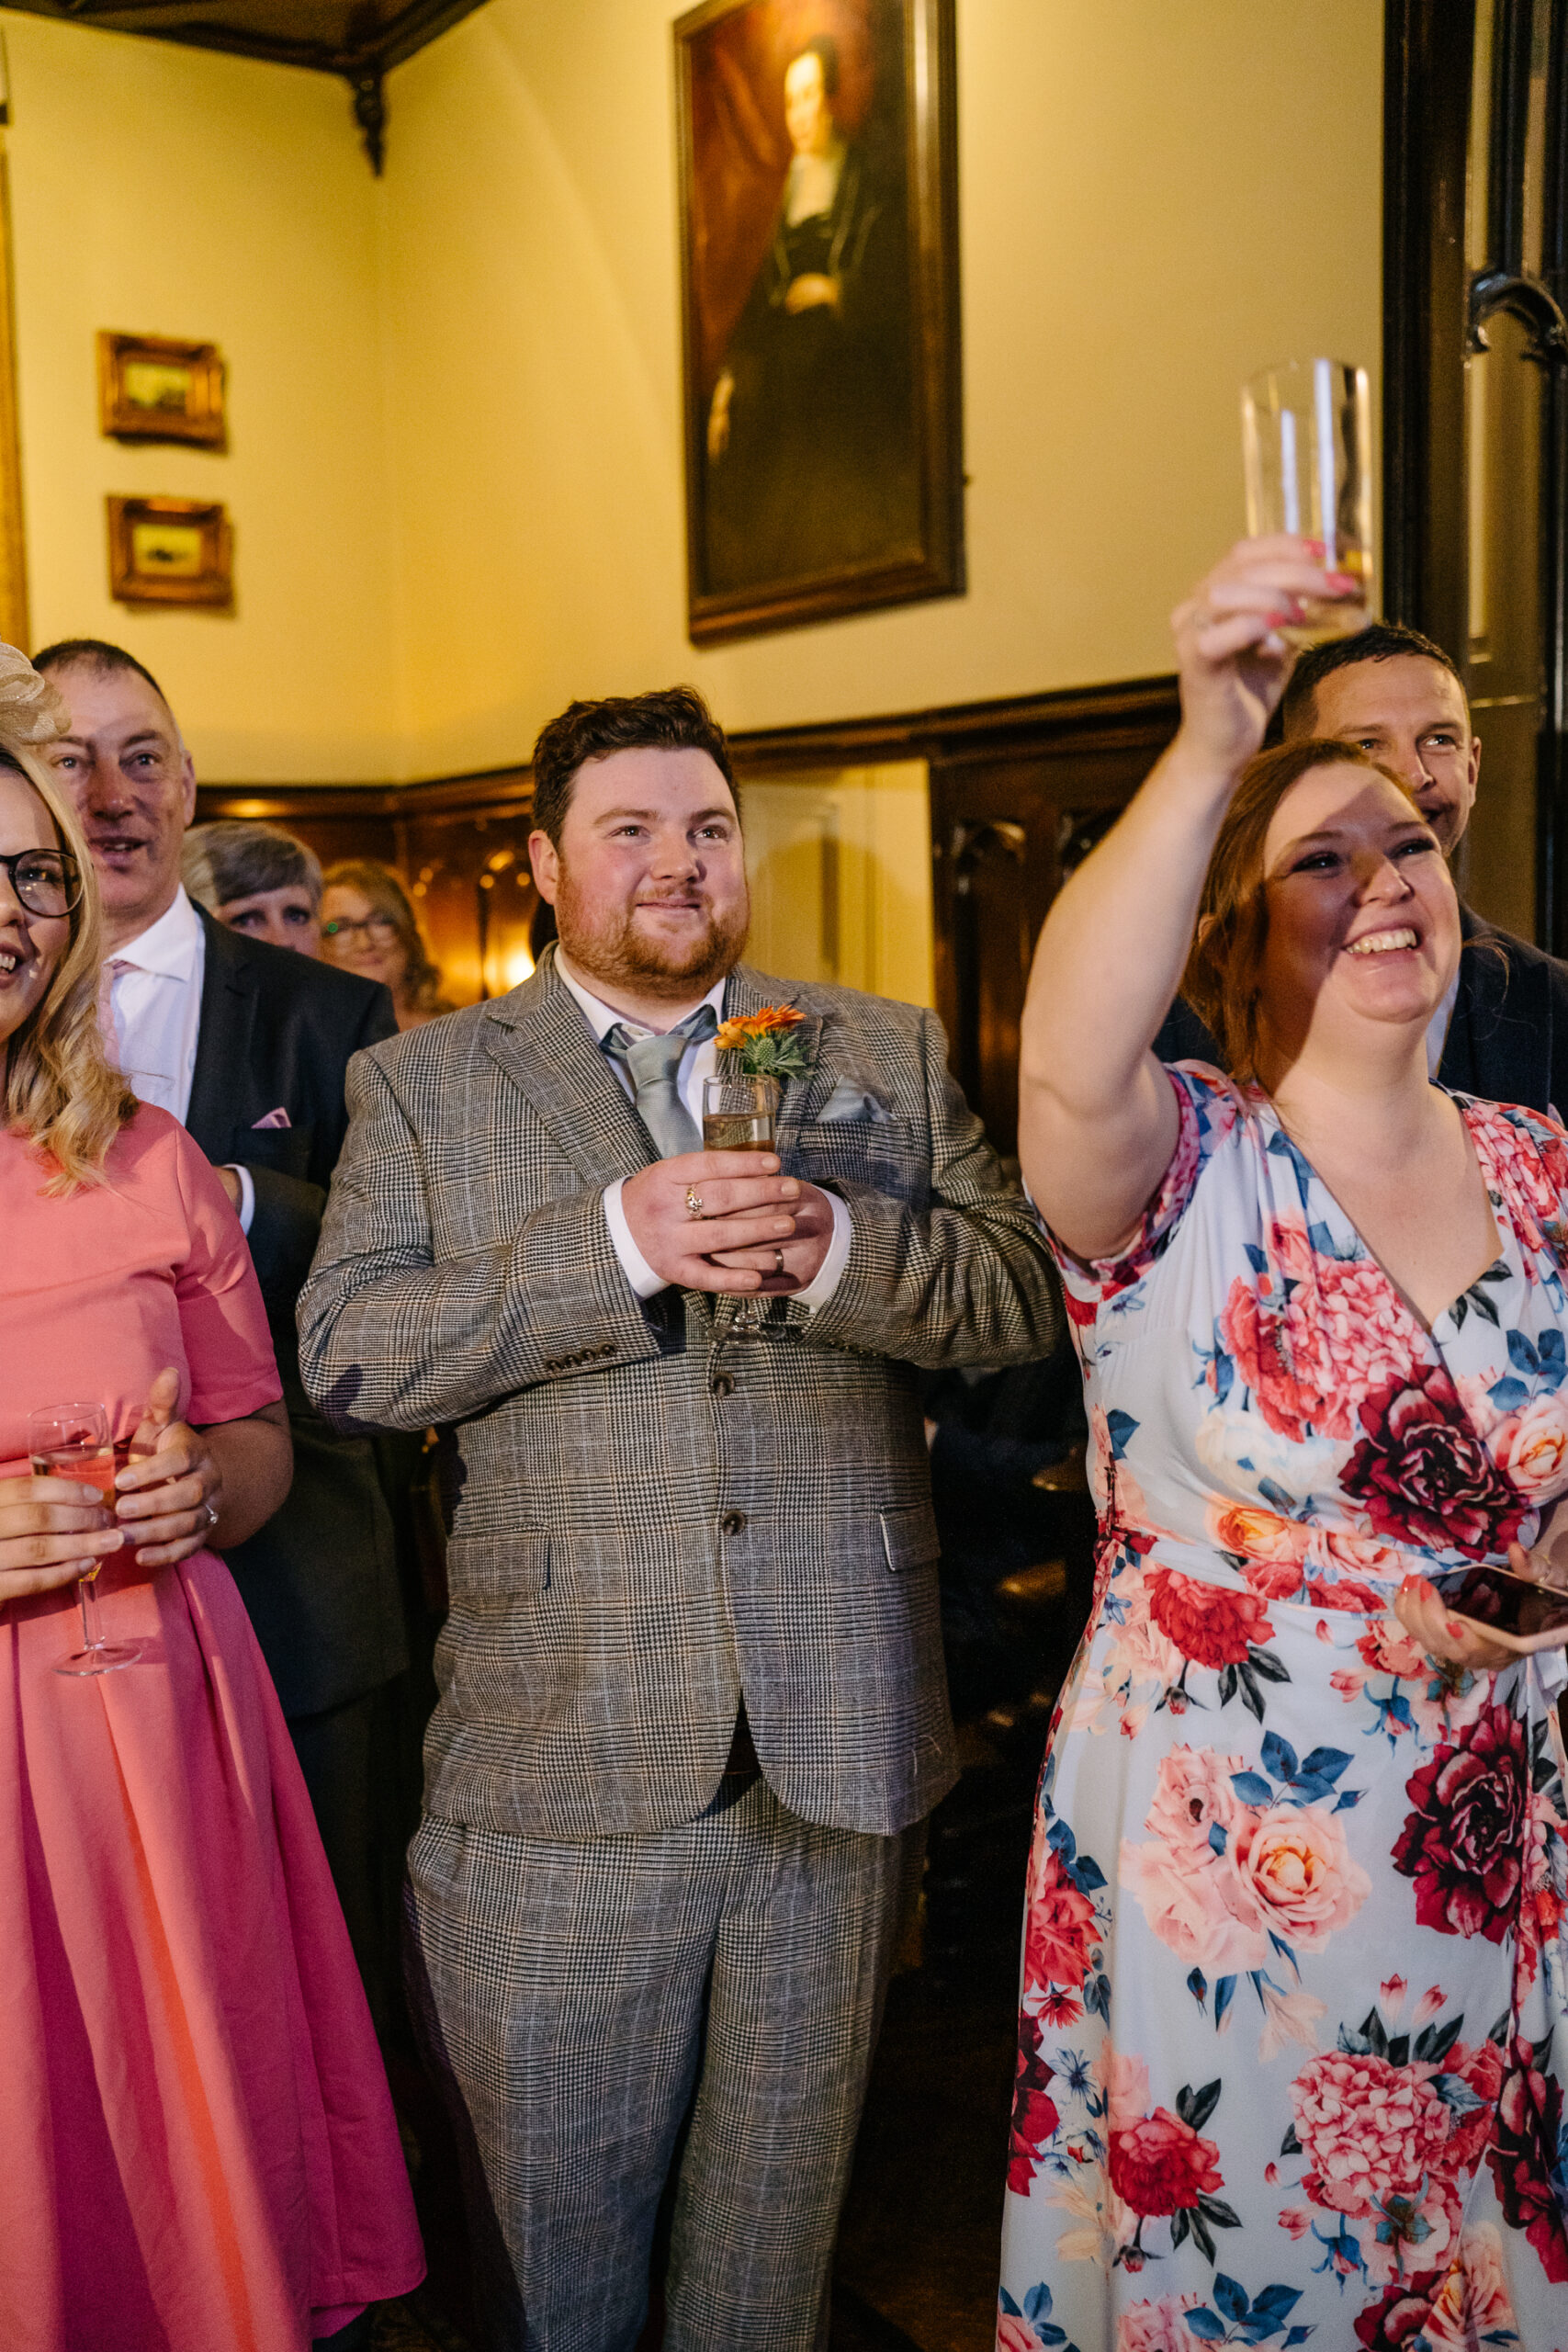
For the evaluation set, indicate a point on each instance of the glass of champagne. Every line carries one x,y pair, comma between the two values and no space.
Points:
738,1115
72,1441
1307,445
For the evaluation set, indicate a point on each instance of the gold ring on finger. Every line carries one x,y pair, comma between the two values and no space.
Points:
778,1261
694,1201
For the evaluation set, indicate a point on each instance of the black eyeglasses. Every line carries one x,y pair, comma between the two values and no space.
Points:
45,881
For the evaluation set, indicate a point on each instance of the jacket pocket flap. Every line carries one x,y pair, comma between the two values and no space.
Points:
908,1537
490,1567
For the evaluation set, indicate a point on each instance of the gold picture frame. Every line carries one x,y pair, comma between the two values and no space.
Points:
169,551
152,388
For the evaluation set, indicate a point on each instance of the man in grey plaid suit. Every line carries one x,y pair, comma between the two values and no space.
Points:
692,1709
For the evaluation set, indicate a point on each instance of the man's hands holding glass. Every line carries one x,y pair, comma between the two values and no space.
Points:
729,1221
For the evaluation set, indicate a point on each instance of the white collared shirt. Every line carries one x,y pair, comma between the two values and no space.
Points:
154,1007
696,1063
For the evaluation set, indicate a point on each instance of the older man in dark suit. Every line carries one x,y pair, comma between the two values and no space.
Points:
692,1711
1502,1032
247,1046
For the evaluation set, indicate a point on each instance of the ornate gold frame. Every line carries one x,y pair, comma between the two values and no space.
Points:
201,420
14,624
129,584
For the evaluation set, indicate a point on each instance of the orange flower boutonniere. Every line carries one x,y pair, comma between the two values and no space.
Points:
763,1041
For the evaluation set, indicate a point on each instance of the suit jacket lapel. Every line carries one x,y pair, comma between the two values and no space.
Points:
745,994
223,1042
539,1036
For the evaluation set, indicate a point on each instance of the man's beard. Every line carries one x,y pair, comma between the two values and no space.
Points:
606,945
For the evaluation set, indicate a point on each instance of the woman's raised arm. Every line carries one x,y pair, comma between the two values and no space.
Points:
1096,1117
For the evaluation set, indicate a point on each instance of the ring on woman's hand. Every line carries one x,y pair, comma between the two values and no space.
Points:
778,1261
211,1514
694,1201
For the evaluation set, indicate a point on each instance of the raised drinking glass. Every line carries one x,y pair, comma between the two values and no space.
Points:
72,1441
739,1115
1306,443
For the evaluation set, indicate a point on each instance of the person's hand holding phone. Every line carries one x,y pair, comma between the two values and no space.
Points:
1453,1639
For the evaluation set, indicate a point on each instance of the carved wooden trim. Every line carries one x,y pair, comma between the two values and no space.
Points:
1131,714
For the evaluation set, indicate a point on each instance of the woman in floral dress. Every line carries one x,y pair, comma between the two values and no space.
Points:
1292,2041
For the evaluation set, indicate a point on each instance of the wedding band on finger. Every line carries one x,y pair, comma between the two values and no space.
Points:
778,1261
211,1514
694,1201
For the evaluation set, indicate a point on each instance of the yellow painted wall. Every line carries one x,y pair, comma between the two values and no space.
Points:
165,190
1156,199
841,872
456,469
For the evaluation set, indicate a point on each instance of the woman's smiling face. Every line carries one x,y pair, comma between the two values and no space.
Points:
30,946
1363,921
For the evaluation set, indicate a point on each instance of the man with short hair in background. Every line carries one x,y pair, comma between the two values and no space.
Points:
693,1710
247,1046
1502,1030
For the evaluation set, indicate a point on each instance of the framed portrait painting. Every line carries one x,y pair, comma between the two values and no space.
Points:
824,468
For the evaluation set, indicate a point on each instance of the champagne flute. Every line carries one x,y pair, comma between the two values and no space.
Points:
738,1115
72,1441
1307,447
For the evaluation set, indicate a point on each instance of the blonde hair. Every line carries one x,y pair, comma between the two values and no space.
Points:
1221,979
60,1090
420,986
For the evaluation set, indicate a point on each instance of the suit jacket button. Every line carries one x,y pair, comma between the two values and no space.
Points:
724,1383
733,1523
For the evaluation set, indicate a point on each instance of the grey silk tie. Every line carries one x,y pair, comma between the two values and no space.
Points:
653,1064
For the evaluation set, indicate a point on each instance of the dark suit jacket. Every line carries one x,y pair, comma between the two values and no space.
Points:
1507,1041
319,1579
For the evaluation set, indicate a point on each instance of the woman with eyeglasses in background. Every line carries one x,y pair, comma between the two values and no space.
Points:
369,927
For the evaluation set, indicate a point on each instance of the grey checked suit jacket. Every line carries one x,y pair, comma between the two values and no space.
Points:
650,1517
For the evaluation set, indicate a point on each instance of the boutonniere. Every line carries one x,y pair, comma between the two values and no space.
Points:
763,1041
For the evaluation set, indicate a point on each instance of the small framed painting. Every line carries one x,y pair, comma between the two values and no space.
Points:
151,388
818,211
169,551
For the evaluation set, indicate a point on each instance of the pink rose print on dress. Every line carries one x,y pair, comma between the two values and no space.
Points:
1423,1475
1062,1928
1370,2131
1210,1624
1314,1333
1270,1551
1161,2167
1464,1844
1243,1873
1471,2306
1159,2325
1530,1447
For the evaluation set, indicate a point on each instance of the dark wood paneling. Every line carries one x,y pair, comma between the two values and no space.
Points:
1011,782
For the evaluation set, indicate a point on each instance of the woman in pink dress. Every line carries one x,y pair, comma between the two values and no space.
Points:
200,2153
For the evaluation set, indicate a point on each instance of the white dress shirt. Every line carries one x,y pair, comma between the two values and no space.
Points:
696,1063
150,1016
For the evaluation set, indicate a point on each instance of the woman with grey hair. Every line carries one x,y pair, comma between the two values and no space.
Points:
258,879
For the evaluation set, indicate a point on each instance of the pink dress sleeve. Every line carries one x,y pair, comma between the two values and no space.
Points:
222,1321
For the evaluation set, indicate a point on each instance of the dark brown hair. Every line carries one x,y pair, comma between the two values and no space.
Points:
671,718
1221,978
1385,641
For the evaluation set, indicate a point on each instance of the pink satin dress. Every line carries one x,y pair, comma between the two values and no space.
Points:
200,2153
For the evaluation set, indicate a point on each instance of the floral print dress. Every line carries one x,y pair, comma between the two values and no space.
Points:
1293,2045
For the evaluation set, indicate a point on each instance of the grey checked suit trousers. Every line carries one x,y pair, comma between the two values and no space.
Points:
648,1522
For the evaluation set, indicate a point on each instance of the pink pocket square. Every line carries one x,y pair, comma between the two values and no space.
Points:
279,1118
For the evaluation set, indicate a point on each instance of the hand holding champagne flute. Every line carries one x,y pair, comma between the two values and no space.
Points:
72,1443
739,1115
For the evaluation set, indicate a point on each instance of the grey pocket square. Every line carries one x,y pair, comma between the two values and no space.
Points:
848,1101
